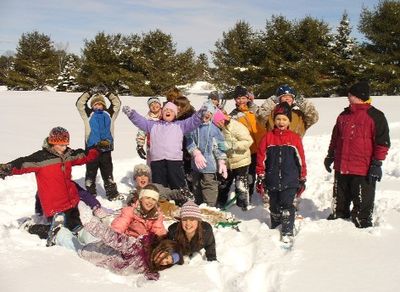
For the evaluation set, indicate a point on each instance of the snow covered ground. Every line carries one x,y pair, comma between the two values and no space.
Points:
327,255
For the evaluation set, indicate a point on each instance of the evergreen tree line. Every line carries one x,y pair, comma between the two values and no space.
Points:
304,53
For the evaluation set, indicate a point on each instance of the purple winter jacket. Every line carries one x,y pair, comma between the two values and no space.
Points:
166,137
119,253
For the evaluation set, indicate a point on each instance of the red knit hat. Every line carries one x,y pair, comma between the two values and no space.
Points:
58,136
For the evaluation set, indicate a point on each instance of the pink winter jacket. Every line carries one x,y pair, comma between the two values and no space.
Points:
131,222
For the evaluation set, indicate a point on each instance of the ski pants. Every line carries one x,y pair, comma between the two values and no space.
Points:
282,209
168,173
356,189
104,163
241,187
205,188
73,241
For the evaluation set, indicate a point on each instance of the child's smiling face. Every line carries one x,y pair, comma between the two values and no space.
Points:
155,107
168,115
282,122
141,181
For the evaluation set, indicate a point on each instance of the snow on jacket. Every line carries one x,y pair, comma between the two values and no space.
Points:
166,137
361,134
209,140
99,125
248,119
57,192
281,159
119,253
208,240
237,141
304,115
132,223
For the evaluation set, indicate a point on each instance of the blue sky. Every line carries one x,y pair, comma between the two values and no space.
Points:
197,24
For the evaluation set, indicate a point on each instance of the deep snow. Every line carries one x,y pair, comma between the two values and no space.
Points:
327,255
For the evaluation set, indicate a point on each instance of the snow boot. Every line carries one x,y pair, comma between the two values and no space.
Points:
57,222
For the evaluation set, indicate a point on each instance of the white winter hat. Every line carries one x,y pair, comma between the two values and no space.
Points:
149,193
141,169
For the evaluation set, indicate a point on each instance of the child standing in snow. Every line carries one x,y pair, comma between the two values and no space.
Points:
154,114
166,138
281,168
99,127
237,140
206,144
143,217
122,254
192,233
52,167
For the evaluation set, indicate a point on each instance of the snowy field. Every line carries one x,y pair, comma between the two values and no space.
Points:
326,256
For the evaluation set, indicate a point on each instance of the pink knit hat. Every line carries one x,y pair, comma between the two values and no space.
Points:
172,107
218,117
190,210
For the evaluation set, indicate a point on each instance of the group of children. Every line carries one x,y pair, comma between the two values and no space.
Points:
220,148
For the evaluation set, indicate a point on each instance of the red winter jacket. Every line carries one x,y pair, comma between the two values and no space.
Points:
361,134
57,192
280,158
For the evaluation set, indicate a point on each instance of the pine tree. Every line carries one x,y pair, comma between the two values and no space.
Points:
381,28
185,67
236,57
6,66
35,63
347,61
67,78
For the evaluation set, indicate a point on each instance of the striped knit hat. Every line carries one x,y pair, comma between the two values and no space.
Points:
190,210
58,136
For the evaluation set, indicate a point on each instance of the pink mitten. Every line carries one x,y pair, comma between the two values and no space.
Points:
199,159
222,170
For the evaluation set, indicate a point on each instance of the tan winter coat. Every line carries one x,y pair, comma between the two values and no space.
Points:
304,116
238,141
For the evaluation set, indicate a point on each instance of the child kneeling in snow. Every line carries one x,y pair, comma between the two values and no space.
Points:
281,168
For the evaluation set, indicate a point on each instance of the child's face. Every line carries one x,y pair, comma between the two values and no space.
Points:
141,181
168,115
148,203
190,225
241,100
282,122
163,258
98,106
286,98
155,107
215,101
60,149
207,117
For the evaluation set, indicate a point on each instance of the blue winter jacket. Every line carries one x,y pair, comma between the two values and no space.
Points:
210,141
100,128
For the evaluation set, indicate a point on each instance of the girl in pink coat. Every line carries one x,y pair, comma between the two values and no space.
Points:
142,217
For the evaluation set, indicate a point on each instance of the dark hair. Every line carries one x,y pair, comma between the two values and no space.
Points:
186,110
151,187
160,244
183,241
172,94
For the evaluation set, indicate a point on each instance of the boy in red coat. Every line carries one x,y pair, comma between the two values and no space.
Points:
52,167
281,168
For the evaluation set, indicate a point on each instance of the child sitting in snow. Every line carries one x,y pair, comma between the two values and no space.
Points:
143,217
99,127
53,166
166,138
206,144
154,114
281,168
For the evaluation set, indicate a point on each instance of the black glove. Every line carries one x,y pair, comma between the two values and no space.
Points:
99,89
375,171
327,162
140,151
5,170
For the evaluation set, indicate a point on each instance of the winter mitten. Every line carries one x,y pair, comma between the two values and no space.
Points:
327,162
299,99
199,159
5,170
375,171
301,188
104,145
101,212
222,169
260,184
127,110
140,151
